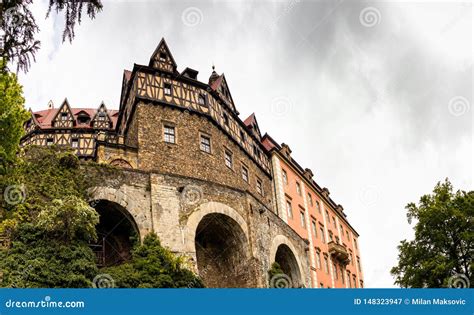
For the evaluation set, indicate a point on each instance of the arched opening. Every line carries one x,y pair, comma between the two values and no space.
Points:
117,233
288,263
222,252
121,163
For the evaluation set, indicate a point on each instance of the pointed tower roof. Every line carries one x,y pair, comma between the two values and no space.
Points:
252,124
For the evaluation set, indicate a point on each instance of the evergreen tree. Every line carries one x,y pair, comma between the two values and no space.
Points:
20,29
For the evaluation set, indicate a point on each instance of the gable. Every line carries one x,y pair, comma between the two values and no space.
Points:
64,117
162,58
101,118
222,88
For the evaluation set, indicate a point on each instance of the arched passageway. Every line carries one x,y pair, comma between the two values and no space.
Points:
222,252
288,263
117,232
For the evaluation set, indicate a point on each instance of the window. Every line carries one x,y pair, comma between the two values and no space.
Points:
245,174
83,119
167,87
285,177
323,239
226,119
259,187
361,283
318,206
298,188
101,116
355,243
334,222
310,199
201,100
328,218
337,240
205,144
242,135
289,210
350,257
354,281
318,258
321,285
63,116
162,56
326,264
358,264
49,141
313,228
170,134
75,143
302,221
228,159
348,237
342,230
342,275
334,267
330,236
349,278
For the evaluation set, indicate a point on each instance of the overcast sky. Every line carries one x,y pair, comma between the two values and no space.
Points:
374,97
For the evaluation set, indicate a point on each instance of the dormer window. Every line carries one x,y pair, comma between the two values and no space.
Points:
83,119
163,56
63,116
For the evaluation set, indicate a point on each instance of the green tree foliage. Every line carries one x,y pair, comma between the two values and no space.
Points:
37,259
275,270
20,29
444,240
153,266
12,117
49,224
69,219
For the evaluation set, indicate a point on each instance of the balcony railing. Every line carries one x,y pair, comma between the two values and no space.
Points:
338,252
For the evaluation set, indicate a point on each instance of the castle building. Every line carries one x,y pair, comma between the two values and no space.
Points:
207,182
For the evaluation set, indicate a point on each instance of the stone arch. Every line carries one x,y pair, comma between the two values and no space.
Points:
284,253
117,232
121,163
134,200
219,238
